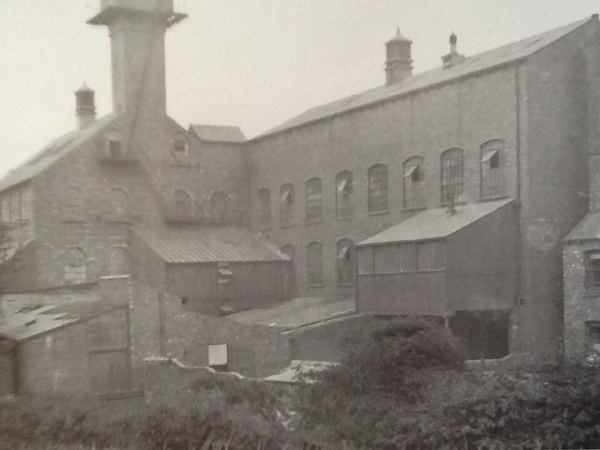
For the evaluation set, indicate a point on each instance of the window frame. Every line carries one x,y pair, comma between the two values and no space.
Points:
73,206
264,215
180,156
314,265
591,274
345,263
314,200
286,205
344,207
74,274
414,192
452,176
183,206
219,203
492,184
377,189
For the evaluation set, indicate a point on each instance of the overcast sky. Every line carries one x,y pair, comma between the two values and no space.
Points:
251,63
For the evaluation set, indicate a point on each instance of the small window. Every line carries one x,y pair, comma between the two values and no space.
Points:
452,176
113,145
345,262
264,208
75,266
378,189
180,151
183,205
493,182
414,180
314,201
314,262
219,207
286,204
74,205
344,188
120,205
592,270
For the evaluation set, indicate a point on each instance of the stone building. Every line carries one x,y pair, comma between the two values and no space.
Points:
444,193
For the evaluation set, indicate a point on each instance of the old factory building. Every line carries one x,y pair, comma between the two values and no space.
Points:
447,193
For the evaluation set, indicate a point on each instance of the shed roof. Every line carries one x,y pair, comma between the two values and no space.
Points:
587,229
28,324
471,65
209,244
218,133
51,153
434,223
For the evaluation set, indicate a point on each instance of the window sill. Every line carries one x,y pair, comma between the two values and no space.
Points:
461,203
415,208
378,213
492,198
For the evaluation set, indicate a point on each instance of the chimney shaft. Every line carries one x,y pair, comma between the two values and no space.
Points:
86,107
398,62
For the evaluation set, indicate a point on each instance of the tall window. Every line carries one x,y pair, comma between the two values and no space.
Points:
286,204
378,189
452,176
290,251
183,205
219,207
73,209
180,151
344,188
314,263
314,200
414,181
345,261
114,147
592,269
492,166
75,266
264,208
120,205
119,261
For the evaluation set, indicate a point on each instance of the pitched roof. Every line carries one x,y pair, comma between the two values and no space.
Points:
29,324
587,229
51,153
474,64
218,133
434,223
209,244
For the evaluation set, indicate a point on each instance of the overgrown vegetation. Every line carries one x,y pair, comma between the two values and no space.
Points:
401,385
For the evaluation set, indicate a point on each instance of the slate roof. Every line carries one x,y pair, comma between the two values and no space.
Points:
209,244
25,325
587,229
51,153
296,313
218,133
482,62
434,223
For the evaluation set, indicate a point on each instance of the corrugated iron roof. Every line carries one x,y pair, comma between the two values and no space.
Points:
474,64
51,153
31,323
296,313
588,228
218,133
209,244
434,223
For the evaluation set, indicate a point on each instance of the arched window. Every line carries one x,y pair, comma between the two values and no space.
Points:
182,202
414,180
592,270
492,169
314,264
73,209
75,266
344,188
314,200
345,262
180,150
286,204
378,189
264,208
452,176
120,205
119,263
290,251
219,205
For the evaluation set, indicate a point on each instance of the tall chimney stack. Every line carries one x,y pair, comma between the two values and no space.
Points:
86,107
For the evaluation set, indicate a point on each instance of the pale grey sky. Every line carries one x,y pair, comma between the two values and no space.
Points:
251,63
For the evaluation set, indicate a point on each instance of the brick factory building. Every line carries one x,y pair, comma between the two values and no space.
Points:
446,193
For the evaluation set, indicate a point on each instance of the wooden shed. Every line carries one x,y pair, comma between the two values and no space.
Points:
457,263
215,270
